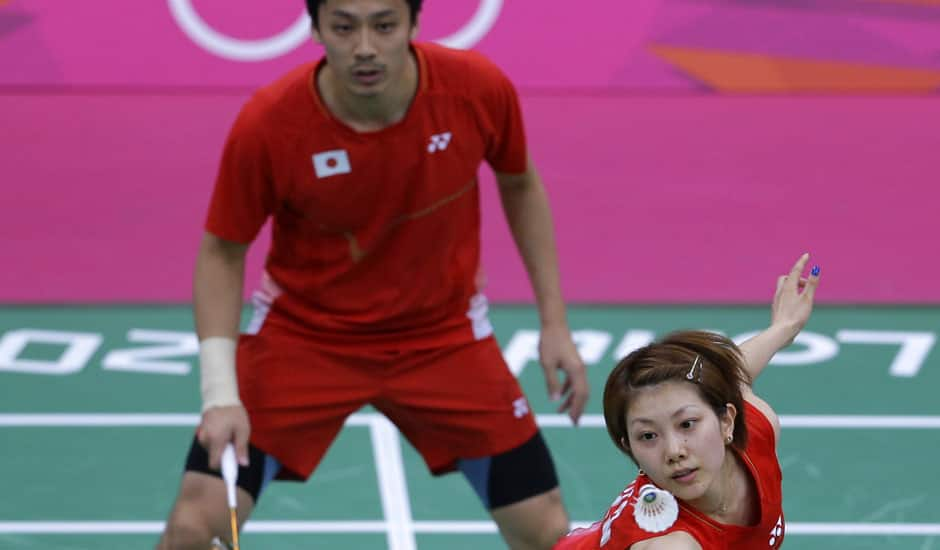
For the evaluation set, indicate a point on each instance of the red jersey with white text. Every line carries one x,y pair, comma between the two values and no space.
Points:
375,236
619,530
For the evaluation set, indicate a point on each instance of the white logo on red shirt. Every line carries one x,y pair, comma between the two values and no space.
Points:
331,163
439,142
520,408
776,533
616,508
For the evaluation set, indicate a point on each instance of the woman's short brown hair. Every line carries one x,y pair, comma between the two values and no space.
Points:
707,360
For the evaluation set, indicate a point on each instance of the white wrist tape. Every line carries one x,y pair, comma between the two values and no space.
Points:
219,383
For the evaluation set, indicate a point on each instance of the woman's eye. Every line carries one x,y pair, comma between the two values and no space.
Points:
647,436
687,424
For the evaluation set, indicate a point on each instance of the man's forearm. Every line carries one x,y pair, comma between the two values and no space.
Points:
529,216
217,289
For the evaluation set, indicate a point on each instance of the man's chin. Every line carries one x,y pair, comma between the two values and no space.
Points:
363,91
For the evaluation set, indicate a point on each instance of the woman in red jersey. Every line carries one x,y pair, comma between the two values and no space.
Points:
683,409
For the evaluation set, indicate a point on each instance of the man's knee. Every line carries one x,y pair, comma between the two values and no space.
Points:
200,513
556,524
185,533
535,523
512,476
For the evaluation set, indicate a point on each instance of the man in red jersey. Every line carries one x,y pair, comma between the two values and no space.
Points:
366,161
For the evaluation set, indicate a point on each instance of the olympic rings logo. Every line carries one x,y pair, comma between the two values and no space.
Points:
236,49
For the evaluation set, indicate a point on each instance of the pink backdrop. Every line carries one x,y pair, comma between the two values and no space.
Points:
664,188
609,44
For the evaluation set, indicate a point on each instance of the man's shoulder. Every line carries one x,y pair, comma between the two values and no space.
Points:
442,55
290,91
456,70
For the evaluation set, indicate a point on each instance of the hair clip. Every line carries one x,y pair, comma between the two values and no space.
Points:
691,374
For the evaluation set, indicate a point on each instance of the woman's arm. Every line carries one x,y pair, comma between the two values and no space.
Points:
677,540
791,308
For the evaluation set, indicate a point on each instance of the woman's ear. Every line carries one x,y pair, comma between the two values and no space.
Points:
726,420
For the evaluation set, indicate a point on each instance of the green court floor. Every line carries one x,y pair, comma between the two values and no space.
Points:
98,404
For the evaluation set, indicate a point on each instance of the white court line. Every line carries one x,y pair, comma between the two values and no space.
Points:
109,420
860,421
393,488
116,420
910,529
399,525
786,421
442,527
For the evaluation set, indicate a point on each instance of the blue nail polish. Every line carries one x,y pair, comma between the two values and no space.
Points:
815,271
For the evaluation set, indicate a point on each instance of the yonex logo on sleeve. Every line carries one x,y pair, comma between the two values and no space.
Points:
776,533
439,142
331,163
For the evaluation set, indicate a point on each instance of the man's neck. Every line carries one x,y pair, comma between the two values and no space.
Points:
370,114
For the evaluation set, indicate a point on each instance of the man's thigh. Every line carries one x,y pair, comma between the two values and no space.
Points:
457,403
298,395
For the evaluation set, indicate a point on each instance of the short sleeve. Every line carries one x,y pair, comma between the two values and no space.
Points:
506,151
243,196
760,432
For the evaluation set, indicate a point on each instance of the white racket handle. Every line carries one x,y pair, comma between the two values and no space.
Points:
230,473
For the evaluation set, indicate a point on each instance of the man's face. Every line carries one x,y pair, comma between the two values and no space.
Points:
366,42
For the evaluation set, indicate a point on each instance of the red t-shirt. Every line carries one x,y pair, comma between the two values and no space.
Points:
375,235
619,530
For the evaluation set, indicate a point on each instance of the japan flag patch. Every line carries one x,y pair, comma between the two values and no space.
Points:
331,163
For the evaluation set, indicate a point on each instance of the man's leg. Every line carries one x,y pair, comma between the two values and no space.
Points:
534,523
201,512
463,401
520,489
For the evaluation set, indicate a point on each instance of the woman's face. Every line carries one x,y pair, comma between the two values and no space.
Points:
677,439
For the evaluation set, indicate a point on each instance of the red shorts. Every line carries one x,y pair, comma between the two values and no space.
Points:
450,403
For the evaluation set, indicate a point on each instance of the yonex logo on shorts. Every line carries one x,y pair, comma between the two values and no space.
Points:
331,163
520,408
439,142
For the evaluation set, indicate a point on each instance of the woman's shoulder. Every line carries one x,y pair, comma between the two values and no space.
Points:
761,417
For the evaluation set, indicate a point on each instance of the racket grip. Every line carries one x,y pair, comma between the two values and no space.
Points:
230,473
